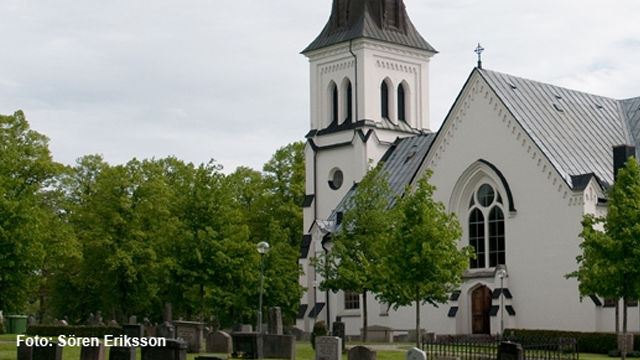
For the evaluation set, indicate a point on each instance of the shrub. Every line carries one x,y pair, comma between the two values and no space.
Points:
319,329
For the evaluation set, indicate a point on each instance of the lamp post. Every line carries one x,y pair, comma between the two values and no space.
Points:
501,274
315,301
263,248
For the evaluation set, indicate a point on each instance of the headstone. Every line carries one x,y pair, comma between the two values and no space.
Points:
510,351
133,330
93,352
275,321
328,348
209,357
416,354
219,342
167,312
51,352
339,329
166,330
25,352
248,345
174,350
191,332
31,320
279,346
300,335
122,353
378,333
412,337
361,353
133,320
98,318
150,330
246,328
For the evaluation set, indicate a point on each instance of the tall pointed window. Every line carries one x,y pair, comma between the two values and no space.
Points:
349,102
402,114
486,227
334,104
384,99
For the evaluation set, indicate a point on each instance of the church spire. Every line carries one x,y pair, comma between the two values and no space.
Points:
384,20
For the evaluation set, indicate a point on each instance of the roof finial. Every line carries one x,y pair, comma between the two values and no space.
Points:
479,51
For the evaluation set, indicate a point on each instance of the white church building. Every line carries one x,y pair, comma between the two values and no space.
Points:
519,161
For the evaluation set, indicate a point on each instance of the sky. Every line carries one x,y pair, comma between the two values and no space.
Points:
225,80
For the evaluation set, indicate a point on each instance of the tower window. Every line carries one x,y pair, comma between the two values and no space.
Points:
349,101
487,227
334,105
384,99
401,104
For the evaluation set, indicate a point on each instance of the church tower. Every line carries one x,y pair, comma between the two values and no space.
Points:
369,82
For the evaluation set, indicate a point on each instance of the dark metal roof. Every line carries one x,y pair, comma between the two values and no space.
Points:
368,19
401,163
575,130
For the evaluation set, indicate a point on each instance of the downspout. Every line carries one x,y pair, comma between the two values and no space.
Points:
326,252
355,103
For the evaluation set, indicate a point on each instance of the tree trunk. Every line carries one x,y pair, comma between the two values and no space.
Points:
201,303
618,316
624,329
418,335
365,322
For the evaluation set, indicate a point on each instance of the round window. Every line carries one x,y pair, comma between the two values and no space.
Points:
486,195
336,177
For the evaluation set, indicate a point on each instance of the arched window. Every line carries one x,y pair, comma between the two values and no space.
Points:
349,102
401,104
486,227
334,104
384,99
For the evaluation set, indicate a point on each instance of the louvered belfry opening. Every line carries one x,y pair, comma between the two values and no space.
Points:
392,14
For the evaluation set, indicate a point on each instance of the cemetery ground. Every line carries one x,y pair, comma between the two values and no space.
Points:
385,351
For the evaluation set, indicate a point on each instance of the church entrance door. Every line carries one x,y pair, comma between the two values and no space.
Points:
480,308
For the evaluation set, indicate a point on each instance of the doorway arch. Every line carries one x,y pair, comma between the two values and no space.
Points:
480,309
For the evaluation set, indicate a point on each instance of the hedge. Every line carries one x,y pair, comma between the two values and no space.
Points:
74,330
588,342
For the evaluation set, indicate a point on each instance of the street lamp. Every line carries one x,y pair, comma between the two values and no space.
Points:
315,301
263,248
501,274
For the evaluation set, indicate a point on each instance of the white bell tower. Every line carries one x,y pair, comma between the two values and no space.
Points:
369,78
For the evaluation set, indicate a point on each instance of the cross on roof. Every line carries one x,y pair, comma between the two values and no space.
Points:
479,51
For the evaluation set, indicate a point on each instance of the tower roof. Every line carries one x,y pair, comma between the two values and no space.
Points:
384,20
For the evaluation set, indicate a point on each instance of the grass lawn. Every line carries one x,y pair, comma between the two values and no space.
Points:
8,351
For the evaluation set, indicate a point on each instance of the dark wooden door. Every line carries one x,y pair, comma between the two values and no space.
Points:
480,308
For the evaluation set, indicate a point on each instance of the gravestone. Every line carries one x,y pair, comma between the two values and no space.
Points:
209,357
219,342
300,335
416,354
173,350
328,348
378,333
412,337
279,346
93,352
166,330
249,345
25,352
275,321
191,332
31,320
361,353
339,329
51,352
122,353
510,351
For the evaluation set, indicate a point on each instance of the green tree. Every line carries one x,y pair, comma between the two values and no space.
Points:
353,264
609,265
423,263
27,173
